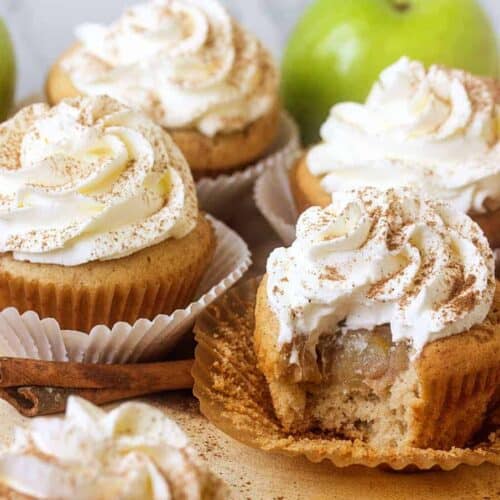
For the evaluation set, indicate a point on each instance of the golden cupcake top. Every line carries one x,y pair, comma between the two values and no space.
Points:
436,130
90,179
381,258
186,63
132,452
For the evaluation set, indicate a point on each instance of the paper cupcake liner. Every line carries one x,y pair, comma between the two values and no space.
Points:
80,308
234,396
218,195
27,336
274,199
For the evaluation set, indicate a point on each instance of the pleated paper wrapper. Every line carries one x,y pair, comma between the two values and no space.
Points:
274,199
218,195
27,336
234,396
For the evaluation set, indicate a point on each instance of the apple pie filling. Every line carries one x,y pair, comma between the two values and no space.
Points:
346,379
350,360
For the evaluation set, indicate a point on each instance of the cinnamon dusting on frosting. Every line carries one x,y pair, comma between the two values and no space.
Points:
332,274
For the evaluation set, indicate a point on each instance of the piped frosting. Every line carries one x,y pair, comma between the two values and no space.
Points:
435,130
186,63
381,258
87,180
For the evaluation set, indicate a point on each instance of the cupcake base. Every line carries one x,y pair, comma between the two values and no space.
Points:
307,192
234,396
158,279
306,188
227,153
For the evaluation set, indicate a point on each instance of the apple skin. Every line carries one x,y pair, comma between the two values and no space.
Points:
339,48
7,72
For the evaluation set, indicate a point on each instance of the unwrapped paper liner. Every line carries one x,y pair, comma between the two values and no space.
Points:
234,396
218,195
28,336
274,199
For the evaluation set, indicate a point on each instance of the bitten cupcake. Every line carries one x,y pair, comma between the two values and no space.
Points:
191,68
99,220
381,323
436,130
133,452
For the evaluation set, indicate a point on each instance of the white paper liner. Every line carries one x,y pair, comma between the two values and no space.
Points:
28,336
218,195
274,199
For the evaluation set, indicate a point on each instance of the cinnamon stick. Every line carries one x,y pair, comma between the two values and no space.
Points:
37,387
168,375
36,401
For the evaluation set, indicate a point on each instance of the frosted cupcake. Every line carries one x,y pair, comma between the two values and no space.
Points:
381,323
99,220
132,452
436,130
191,68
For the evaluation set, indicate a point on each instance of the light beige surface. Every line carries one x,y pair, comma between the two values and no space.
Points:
253,474
256,475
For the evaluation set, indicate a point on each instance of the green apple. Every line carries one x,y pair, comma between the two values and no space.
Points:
7,72
339,48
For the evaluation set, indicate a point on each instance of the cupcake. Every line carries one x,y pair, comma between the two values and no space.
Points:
436,130
99,220
189,67
132,452
380,323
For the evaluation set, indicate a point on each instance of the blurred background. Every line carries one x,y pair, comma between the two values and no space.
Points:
42,29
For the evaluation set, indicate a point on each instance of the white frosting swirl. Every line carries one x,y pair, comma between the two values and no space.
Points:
185,63
382,257
132,452
434,130
89,180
